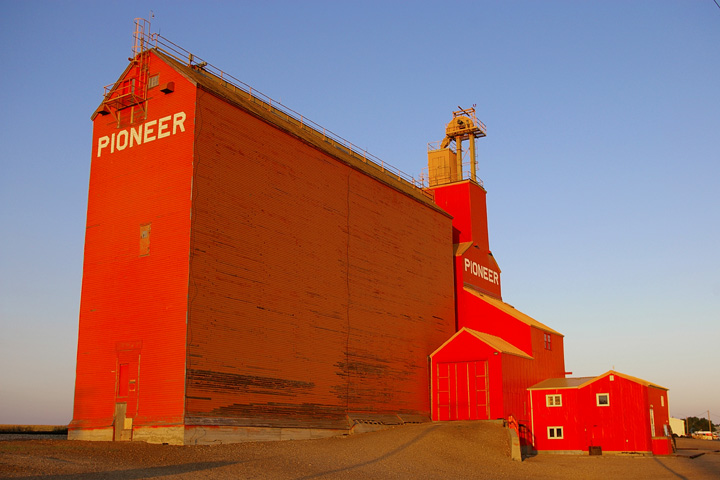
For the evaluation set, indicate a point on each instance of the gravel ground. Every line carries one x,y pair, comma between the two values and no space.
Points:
457,450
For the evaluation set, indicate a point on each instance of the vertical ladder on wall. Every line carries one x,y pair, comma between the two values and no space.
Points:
131,91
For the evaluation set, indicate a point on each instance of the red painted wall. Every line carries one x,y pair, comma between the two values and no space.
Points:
566,416
134,291
621,426
476,314
519,374
466,202
463,348
624,425
658,400
315,290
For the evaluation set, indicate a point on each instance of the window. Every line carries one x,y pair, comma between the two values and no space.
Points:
555,432
548,341
154,81
603,399
662,401
553,400
145,239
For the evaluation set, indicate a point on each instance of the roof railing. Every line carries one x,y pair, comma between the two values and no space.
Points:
184,56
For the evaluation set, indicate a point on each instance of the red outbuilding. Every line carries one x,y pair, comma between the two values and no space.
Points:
612,412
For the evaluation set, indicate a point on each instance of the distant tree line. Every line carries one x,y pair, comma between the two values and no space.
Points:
695,424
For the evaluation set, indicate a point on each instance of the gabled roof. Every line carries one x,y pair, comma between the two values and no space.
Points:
497,343
554,383
580,382
632,379
460,248
510,310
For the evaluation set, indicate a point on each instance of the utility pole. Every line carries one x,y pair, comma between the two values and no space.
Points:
709,424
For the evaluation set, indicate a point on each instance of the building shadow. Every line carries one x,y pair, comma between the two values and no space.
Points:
135,473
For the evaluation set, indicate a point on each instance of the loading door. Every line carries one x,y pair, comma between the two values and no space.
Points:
461,391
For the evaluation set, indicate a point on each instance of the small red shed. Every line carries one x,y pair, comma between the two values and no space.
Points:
612,412
470,373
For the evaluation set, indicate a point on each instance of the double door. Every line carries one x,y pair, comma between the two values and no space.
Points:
461,391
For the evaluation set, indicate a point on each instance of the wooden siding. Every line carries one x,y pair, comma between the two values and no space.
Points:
623,425
135,272
520,374
315,290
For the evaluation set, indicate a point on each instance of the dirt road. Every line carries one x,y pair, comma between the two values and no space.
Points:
459,450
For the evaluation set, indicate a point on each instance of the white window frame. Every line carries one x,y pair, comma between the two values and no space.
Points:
597,399
553,400
555,433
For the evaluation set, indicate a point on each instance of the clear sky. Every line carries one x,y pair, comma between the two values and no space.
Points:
601,162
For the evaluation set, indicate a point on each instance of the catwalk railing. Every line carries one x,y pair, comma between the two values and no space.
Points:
181,55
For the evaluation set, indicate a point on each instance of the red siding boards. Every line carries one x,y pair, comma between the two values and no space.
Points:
453,389
238,274
479,315
315,292
475,265
134,290
612,412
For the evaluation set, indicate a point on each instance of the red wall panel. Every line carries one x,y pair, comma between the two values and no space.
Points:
315,290
133,303
476,314
621,426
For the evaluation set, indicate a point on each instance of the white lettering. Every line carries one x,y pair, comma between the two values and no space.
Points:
149,131
136,136
179,121
162,126
123,134
143,133
481,271
105,141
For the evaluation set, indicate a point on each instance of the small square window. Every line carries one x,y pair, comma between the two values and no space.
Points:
603,399
553,400
555,432
145,239
154,81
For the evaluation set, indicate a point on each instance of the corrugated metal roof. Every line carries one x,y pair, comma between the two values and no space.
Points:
561,383
497,343
460,248
579,382
631,378
510,310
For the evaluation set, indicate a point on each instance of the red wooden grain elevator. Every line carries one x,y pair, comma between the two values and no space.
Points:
248,276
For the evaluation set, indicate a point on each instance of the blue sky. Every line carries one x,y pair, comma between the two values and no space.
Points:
601,161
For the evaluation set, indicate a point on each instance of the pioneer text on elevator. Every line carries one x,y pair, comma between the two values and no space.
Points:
147,132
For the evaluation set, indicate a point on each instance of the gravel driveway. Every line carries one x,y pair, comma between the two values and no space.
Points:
457,450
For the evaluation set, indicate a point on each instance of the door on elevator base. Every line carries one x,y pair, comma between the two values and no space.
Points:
461,391
125,399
